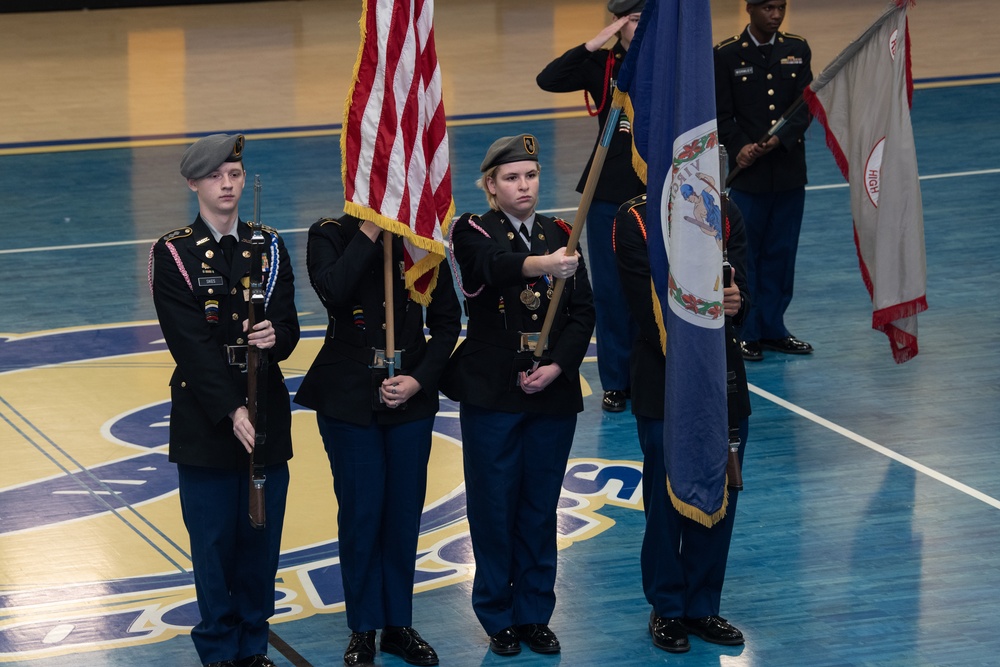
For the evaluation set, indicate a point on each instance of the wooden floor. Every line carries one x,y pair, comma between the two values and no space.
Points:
869,530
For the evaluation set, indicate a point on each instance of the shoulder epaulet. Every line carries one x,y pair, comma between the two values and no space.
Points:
176,234
327,221
727,42
791,36
565,226
632,203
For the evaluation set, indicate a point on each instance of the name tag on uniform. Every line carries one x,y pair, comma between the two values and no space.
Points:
743,71
791,60
211,281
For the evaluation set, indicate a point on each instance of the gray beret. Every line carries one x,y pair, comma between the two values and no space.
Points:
623,7
205,155
510,149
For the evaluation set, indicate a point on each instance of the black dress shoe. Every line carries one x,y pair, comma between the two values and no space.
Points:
751,351
259,660
614,401
538,637
668,634
505,642
714,629
408,645
788,345
361,649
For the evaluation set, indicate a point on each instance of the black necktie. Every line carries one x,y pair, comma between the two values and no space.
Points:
526,236
228,244
765,50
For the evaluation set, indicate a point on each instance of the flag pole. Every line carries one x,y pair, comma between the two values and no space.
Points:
390,310
617,104
828,73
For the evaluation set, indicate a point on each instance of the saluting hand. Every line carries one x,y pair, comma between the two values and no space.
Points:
603,36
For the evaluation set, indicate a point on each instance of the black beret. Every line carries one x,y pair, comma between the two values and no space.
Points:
510,149
756,2
205,155
623,7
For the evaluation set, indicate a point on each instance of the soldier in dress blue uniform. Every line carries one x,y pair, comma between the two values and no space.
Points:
759,74
683,563
517,423
593,69
199,277
377,429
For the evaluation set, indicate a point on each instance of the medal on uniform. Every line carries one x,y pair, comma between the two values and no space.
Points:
530,299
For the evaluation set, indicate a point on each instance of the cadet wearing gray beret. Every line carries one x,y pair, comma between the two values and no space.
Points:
510,149
624,7
205,155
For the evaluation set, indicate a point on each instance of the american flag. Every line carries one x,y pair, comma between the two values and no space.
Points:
394,144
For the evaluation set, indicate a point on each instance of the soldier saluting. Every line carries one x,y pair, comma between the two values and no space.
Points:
200,279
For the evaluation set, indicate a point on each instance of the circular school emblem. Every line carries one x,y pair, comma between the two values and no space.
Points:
95,554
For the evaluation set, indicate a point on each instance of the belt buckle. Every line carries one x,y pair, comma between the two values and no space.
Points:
529,342
236,355
379,360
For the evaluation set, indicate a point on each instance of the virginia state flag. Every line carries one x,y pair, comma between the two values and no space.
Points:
863,100
669,77
395,144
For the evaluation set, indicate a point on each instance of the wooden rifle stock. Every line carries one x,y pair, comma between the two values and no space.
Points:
257,364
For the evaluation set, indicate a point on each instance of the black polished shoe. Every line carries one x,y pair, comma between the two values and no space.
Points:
668,634
614,401
751,351
714,629
505,642
538,637
408,645
361,649
788,345
259,660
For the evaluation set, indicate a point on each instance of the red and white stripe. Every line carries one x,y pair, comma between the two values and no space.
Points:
394,144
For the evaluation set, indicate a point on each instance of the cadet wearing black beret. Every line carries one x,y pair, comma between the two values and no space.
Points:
591,67
517,423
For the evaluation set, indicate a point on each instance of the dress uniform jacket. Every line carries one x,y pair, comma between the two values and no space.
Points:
345,268
751,92
201,304
648,363
490,256
579,69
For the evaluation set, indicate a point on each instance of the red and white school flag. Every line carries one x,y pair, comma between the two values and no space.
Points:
863,100
394,143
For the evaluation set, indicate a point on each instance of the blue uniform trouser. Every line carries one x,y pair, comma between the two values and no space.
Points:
234,564
615,328
380,479
683,563
514,467
773,221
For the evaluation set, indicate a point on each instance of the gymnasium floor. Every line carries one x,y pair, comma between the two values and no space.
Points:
870,523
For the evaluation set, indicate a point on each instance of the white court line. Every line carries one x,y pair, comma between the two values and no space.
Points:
874,446
301,230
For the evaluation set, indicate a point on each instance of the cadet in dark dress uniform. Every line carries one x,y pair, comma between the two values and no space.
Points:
517,427
683,563
201,302
593,69
376,429
758,75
